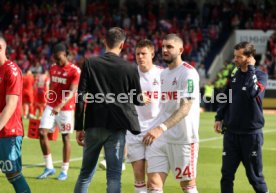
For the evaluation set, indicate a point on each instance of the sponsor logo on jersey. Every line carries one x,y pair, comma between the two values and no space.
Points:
171,95
59,80
152,94
190,86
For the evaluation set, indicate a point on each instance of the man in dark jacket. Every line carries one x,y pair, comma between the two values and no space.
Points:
110,87
241,120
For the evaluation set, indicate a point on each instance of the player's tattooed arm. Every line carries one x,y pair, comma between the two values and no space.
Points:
180,113
176,117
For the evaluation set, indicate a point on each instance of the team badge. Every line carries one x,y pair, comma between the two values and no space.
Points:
155,82
174,82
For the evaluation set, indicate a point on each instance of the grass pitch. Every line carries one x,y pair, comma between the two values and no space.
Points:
209,164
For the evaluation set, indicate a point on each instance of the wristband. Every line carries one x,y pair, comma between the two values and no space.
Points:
163,127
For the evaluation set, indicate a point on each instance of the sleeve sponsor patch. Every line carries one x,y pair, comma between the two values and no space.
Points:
190,86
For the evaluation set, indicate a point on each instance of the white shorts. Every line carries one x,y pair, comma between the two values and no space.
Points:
180,158
64,120
136,149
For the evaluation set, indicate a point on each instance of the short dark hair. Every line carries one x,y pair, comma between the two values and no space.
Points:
59,47
249,48
174,37
114,36
145,43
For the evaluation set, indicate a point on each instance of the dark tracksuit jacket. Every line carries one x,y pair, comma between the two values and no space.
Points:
245,113
243,121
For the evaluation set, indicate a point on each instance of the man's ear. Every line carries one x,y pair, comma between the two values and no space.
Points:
181,50
121,45
152,54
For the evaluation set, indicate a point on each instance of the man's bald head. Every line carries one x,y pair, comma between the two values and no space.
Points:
175,38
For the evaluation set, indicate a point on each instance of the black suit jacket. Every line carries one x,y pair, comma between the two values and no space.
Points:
112,87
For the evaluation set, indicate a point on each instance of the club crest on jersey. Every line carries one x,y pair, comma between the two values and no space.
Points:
64,74
174,82
155,82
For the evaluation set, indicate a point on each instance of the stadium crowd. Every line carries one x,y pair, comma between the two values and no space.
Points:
32,27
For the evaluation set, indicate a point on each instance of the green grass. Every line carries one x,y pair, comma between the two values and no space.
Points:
209,164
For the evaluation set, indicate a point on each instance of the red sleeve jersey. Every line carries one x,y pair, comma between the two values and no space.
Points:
11,84
61,79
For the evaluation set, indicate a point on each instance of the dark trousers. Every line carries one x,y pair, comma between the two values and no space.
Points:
245,148
113,143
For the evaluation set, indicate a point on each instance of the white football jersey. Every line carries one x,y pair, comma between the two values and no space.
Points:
180,82
151,86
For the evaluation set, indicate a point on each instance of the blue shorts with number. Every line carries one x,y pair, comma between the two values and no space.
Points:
10,154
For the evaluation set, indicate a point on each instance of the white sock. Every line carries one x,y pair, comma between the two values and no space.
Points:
152,190
190,189
48,161
140,187
65,167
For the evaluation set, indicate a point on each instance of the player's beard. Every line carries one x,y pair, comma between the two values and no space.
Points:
169,60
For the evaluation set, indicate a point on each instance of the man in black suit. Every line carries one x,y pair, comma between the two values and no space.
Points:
110,87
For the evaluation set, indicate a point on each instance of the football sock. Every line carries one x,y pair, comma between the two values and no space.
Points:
48,161
19,184
65,167
140,187
155,190
189,189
